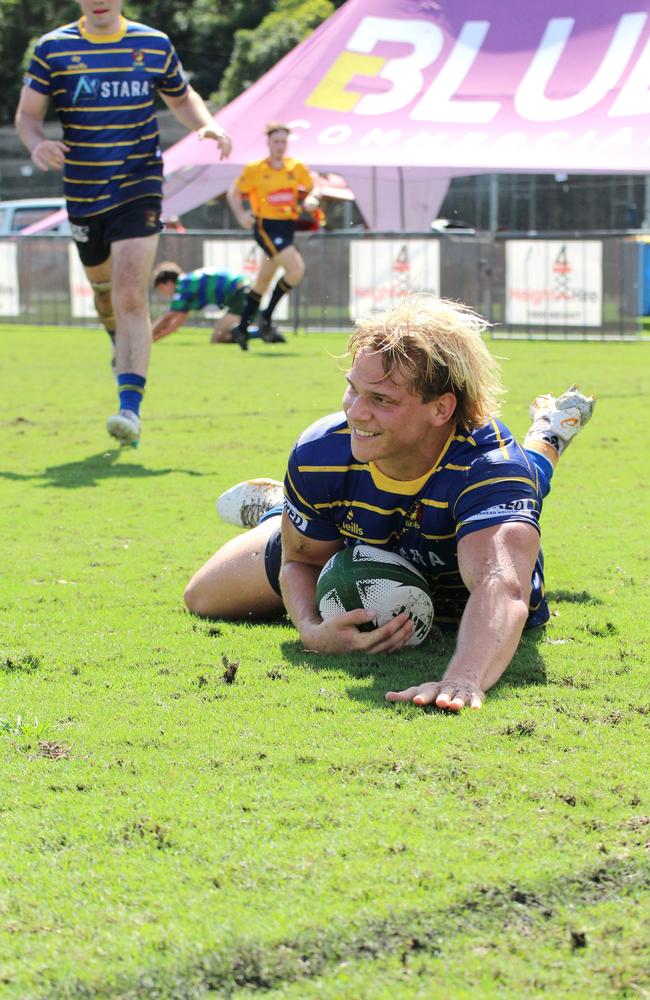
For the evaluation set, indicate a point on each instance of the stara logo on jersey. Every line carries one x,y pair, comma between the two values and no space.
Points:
89,89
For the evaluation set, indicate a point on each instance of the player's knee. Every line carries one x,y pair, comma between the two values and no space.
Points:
104,303
296,272
130,300
197,600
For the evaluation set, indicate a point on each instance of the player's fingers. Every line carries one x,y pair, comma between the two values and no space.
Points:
406,695
454,699
358,616
427,694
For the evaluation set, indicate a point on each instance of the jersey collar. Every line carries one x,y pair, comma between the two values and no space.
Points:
408,487
98,39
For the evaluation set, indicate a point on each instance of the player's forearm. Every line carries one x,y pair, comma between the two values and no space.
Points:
193,113
488,636
30,129
234,199
168,323
298,586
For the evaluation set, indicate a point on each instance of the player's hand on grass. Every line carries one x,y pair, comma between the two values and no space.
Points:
341,635
49,154
452,695
221,137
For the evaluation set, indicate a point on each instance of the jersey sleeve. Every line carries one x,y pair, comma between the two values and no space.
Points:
173,80
301,508
39,75
497,490
304,177
180,299
245,182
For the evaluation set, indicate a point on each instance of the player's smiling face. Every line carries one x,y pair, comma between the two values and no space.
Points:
390,426
102,16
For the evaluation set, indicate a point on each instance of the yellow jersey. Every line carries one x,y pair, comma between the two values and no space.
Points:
275,194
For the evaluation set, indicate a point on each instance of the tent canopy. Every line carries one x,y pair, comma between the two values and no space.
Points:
399,98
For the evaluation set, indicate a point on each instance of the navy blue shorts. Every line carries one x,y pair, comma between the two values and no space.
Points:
274,235
273,559
94,234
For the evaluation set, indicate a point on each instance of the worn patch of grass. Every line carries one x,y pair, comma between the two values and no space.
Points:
191,807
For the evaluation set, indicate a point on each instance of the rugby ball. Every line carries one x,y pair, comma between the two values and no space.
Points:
364,576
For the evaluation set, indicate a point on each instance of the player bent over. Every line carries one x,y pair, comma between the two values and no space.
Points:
198,289
102,73
417,463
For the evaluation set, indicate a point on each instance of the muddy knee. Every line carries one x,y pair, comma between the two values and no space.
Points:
104,303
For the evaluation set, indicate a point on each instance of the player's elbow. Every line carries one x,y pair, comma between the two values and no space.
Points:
503,585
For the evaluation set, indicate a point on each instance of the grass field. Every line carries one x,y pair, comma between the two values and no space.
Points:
167,834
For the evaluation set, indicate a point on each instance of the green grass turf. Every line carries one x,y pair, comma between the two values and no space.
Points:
166,834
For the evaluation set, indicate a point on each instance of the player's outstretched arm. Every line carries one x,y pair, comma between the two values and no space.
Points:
236,202
168,323
302,560
497,567
191,111
46,153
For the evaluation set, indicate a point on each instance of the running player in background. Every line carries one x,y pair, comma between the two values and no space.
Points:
102,73
276,188
198,289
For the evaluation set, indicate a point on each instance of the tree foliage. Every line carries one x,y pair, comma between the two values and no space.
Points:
224,47
258,49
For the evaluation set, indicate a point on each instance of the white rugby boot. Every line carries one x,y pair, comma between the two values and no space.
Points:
557,421
246,503
125,427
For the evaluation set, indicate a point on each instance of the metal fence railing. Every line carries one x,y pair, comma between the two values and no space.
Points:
586,286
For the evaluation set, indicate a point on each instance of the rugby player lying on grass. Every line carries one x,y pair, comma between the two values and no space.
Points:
419,464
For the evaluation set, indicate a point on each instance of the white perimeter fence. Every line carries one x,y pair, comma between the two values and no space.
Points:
548,286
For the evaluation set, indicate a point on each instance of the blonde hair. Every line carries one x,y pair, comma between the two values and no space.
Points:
272,127
437,346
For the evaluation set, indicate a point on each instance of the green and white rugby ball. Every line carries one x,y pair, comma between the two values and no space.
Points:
364,576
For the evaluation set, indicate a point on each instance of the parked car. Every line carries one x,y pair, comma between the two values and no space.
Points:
18,215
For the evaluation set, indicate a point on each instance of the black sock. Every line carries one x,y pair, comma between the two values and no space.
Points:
252,305
279,291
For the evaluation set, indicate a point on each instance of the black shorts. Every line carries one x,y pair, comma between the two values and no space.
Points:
94,234
273,559
274,235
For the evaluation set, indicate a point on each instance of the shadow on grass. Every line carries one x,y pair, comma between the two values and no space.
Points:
426,663
573,597
91,471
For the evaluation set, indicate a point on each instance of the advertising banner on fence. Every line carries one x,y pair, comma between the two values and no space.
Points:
384,271
81,294
242,257
9,301
554,283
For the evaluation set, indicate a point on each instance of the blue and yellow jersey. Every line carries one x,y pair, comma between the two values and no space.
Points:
479,479
102,88
275,194
209,287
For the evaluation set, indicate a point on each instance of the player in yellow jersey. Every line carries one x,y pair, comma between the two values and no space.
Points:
275,188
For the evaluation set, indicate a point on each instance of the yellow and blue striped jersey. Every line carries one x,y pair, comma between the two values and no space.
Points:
480,479
102,87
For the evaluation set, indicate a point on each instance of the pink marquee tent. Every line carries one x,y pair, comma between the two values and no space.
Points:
400,96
